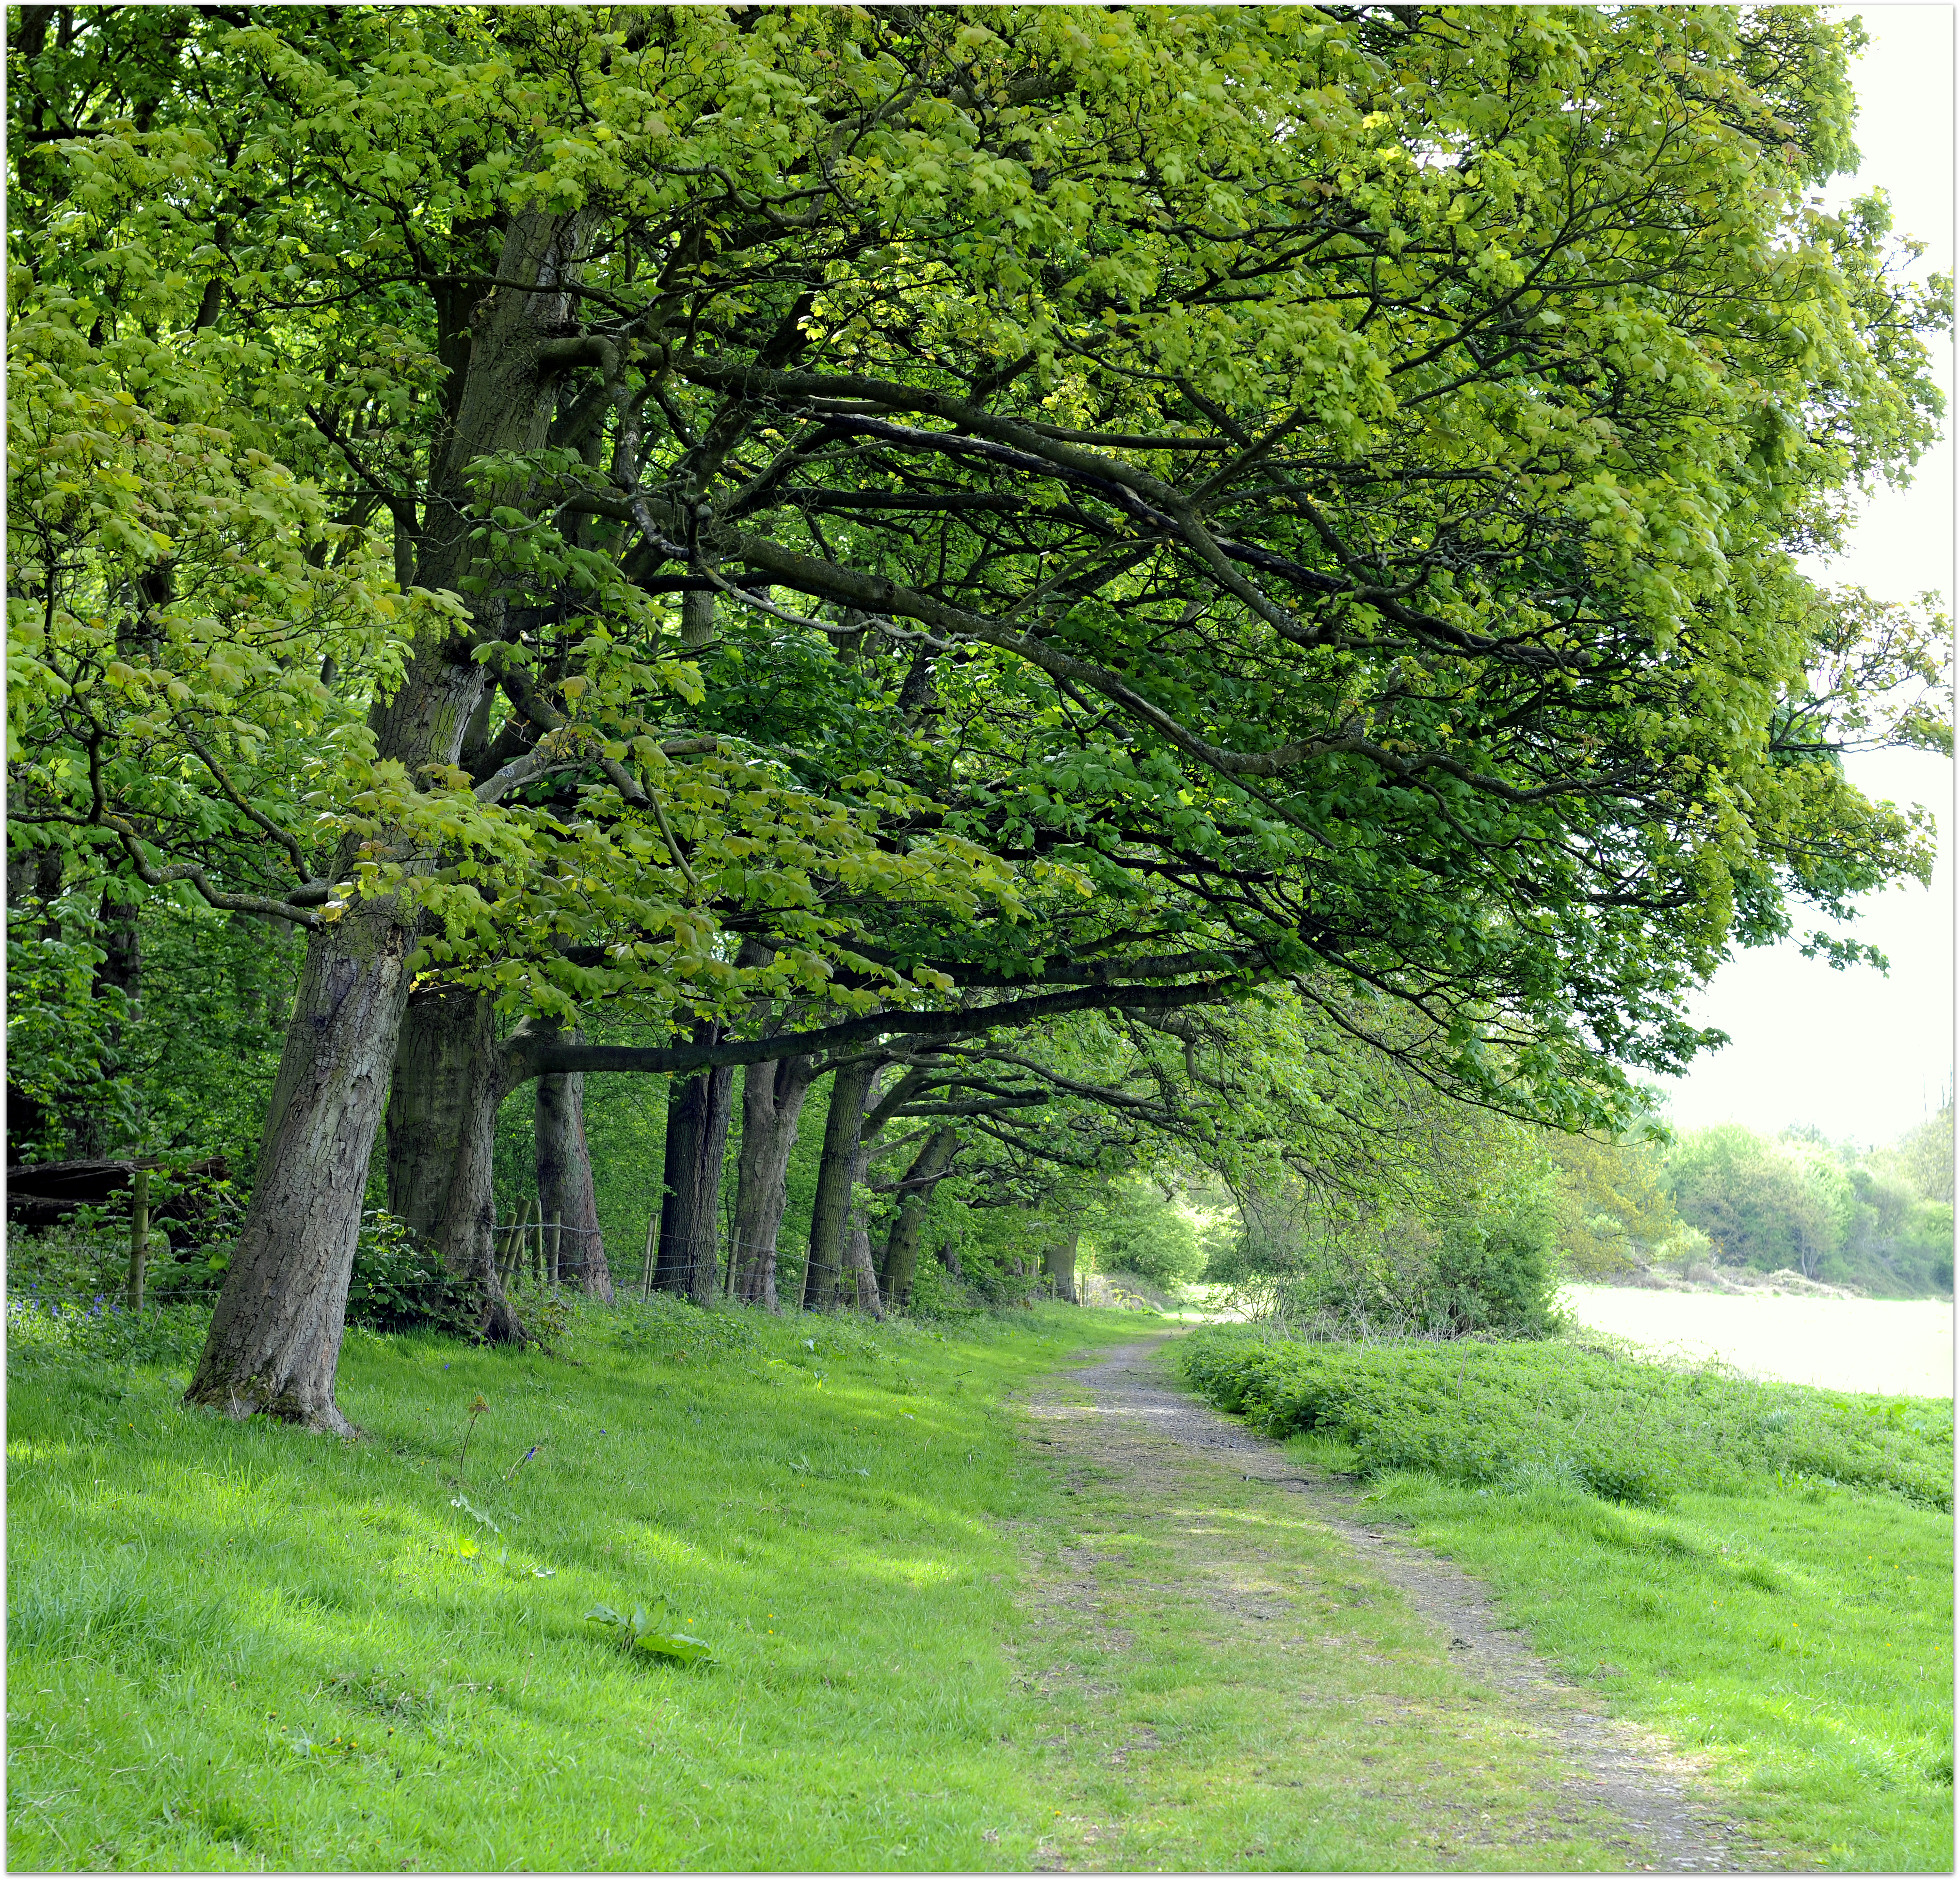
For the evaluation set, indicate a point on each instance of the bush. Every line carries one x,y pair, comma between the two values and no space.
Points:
1130,1229
1507,1414
1493,1270
399,1287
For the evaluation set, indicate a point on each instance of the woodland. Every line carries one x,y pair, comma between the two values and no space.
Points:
813,656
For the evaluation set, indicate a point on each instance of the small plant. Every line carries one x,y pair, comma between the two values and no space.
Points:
464,1503
636,1633
478,1406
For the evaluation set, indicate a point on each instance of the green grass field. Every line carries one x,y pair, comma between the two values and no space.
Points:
244,1647
241,1647
1795,1630
1803,1641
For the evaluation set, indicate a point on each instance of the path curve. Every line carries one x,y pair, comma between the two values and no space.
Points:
1636,1776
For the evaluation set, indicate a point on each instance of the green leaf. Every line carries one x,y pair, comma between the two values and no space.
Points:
684,1648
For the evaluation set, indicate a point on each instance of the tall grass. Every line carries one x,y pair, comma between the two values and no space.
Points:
1511,1414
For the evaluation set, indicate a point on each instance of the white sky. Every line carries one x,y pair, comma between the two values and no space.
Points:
1860,1055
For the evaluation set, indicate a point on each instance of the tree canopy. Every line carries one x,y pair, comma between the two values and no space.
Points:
818,528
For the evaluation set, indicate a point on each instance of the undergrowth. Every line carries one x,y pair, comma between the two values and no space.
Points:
1515,1415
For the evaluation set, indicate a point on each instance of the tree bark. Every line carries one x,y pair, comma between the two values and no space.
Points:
121,965
120,969
698,1112
830,1211
442,1033
857,1240
449,1077
275,1339
565,1180
901,1259
772,1099
1058,1263
467,1238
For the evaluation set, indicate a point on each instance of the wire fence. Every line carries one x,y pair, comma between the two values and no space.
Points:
557,1253
742,1269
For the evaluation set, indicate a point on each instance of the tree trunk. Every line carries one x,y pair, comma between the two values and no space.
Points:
565,1180
830,1211
858,1254
1058,1263
698,1112
120,970
901,1260
443,1032
772,1099
467,1238
448,1081
275,1338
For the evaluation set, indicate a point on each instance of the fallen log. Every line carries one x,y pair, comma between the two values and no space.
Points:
41,1194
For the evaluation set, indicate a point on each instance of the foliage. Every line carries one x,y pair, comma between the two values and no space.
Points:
1832,1214
1453,1230
1925,1155
1508,1416
204,1048
44,1331
399,1286
1180,480
1612,1209
1133,1228
62,1066
636,1633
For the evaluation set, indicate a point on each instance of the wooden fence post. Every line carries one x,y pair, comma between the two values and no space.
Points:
139,1236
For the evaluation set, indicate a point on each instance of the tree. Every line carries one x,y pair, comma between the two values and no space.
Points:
1925,1154
1610,1201
1765,1204
1328,479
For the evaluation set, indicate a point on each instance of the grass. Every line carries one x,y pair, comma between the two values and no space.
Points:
1513,1414
1802,1642
1229,1688
241,1646
244,1647
1798,1634
938,1645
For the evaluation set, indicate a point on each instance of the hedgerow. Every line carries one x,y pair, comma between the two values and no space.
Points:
1513,1414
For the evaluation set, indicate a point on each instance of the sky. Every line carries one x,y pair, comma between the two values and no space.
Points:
1860,1055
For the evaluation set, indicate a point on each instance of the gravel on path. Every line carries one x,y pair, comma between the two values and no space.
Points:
1134,1418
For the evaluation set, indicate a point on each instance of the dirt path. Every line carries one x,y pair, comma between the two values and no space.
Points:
1121,1417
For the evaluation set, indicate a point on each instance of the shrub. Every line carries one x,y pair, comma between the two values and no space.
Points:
398,1286
1631,1430
1131,1229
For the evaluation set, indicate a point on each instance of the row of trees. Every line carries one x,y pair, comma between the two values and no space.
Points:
1493,1214
1881,1218
1089,580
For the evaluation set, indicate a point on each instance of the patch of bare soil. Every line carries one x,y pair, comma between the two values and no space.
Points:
1121,1415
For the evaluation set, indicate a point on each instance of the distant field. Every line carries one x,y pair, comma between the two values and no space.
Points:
1899,1347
